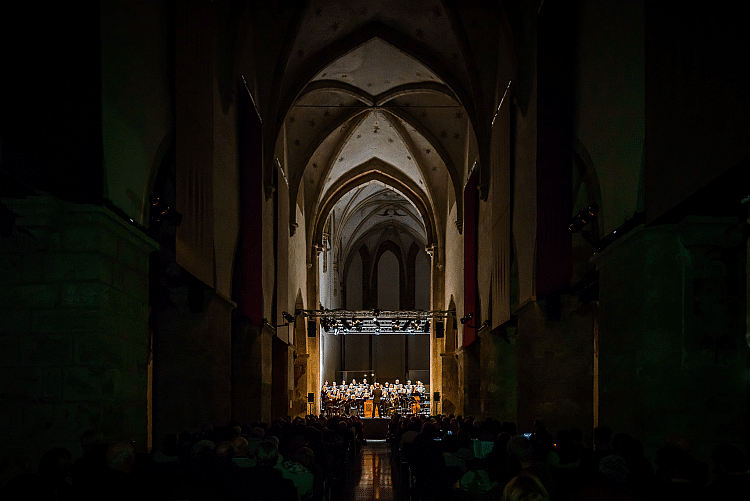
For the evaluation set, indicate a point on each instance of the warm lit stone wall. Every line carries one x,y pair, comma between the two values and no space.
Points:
73,330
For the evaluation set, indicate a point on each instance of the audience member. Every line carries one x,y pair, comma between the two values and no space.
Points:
730,476
525,487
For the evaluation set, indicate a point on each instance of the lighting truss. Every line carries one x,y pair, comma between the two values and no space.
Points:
377,321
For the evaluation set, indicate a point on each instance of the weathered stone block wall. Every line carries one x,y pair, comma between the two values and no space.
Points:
73,330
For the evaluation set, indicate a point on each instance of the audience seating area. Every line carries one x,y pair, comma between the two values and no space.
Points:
442,458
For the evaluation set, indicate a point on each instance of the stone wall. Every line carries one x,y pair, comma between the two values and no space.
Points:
672,358
73,330
192,347
555,358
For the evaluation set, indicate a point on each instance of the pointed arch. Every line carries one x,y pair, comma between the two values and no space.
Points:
383,247
374,170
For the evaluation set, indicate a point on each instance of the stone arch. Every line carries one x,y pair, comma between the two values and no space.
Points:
375,170
411,275
364,256
361,246
388,245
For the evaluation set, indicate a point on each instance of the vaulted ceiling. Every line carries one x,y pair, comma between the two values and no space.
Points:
385,95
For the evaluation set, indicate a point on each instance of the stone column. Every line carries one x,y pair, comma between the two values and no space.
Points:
251,371
300,375
73,329
498,381
192,360
468,380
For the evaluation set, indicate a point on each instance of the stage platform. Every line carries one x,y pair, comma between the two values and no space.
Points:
375,428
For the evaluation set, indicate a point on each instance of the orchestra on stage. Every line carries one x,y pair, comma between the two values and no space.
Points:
373,400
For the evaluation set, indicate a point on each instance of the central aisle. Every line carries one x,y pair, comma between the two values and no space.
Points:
372,476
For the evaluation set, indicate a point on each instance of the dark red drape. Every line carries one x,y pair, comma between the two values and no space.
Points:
471,221
555,97
249,251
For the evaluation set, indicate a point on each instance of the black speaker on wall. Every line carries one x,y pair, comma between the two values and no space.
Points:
310,398
439,329
311,328
436,396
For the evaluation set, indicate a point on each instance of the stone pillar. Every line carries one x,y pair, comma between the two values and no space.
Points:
281,377
192,360
73,330
251,371
468,380
672,358
300,406
449,403
555,359
499,384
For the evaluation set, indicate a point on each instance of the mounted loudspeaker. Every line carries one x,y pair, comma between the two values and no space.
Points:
436,396
312,329
439,329
310,398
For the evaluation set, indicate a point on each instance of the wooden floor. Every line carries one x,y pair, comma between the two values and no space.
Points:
373,476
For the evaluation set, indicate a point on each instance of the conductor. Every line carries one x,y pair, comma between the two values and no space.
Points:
377,405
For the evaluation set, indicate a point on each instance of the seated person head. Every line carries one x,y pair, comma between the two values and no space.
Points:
525,487
121,456
224,451
239,446
267,454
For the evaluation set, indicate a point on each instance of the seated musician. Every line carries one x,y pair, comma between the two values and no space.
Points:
415,394
346,402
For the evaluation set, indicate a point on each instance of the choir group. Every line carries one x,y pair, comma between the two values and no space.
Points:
385,399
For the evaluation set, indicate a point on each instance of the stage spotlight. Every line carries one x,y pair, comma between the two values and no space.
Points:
377,325
406,325
289,318
346,324
395,324
583,218
426,326
325,325
467,318
375,314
